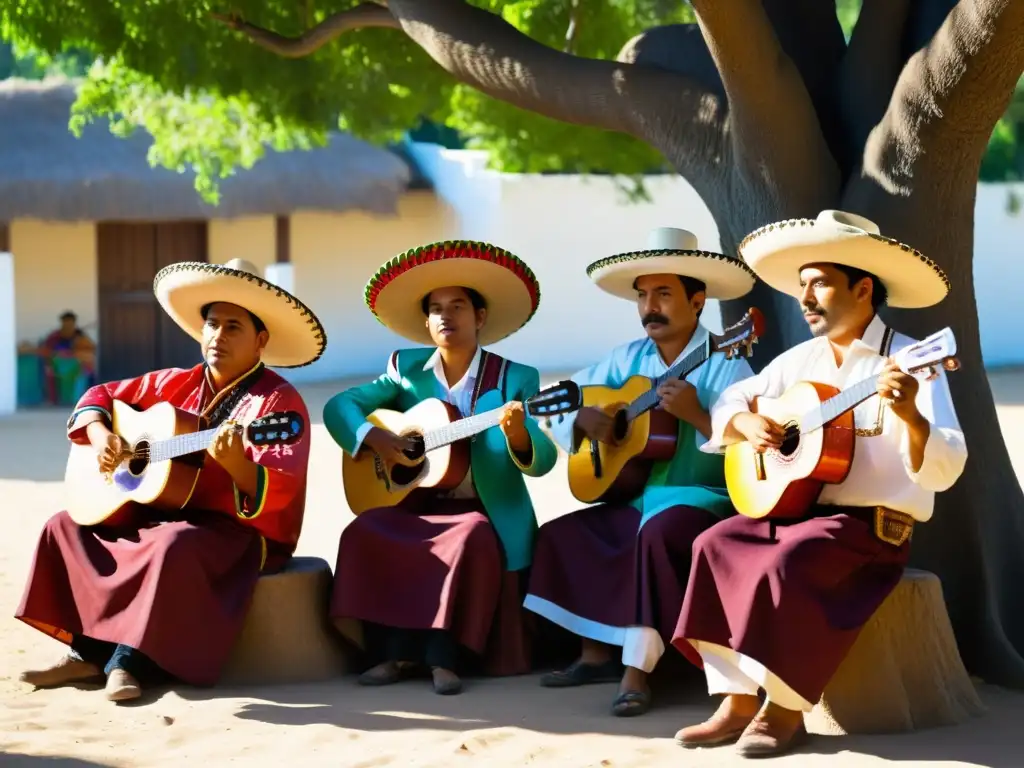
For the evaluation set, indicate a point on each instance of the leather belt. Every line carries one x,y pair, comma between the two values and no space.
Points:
890,526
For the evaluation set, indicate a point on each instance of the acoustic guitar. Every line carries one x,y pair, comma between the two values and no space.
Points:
441,452
820,435
164,455
644,433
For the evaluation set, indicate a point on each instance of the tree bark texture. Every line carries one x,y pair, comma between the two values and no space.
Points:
770,115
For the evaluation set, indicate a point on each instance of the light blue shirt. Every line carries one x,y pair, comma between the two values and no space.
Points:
691,477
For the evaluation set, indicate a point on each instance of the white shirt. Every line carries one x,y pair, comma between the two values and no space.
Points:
881,474
461,396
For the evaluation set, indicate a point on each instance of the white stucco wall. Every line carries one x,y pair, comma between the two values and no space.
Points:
8,338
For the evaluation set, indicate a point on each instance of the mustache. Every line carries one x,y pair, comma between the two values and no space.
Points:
814,310
654,317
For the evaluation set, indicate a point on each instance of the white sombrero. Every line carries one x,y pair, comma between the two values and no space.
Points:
674,252
779,251
296,336
395,294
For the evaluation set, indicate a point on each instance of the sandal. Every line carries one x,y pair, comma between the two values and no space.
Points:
580,673
388,673
631,703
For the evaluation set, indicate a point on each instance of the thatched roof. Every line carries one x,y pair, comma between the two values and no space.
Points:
47,173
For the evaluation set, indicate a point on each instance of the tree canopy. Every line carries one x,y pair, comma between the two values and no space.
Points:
214,101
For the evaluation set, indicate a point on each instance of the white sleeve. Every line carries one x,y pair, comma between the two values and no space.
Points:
945,452
736,399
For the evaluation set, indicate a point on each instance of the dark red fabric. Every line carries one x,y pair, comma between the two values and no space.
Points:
792,596
596,564
176,587
177,591
433,564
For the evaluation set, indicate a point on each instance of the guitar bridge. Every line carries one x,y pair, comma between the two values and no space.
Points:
381,471
759,466
595,458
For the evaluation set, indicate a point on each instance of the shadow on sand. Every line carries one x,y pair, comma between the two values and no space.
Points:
679,699
46,761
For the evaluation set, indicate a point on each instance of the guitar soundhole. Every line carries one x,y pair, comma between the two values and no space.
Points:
139,461
403,475
620,425
790,440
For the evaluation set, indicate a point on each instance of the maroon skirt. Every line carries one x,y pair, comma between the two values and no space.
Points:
596,564
431,563
792,596
177,591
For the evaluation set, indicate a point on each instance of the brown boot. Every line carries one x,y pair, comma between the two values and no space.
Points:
67,671
774,731
725,726
122,687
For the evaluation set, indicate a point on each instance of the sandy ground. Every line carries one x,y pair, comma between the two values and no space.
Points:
508,722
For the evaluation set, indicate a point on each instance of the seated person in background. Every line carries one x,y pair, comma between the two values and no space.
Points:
615,574
439,576
166,594
775,604
69,359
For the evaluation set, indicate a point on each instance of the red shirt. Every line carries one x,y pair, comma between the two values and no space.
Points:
276,510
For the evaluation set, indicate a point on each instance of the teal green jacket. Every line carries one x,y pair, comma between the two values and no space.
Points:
497,473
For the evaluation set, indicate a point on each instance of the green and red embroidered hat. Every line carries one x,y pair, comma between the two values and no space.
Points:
395,294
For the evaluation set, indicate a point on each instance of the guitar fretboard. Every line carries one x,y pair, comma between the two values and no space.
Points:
180,445
650,398
461,429
839,404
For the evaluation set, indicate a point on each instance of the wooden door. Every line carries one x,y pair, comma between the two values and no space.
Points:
135,334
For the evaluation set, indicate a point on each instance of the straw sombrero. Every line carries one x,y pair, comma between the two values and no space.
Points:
296,336
674,252
779,251
395,294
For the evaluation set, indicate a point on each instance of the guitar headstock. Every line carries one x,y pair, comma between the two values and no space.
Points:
563,397
277,428
938,350
740,338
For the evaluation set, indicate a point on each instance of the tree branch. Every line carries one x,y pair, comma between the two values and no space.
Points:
787,156
949,96
362,16
671,111
868,74
668,110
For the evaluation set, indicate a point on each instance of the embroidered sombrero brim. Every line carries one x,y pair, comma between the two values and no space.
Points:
296,336
395,294
779,251
726,278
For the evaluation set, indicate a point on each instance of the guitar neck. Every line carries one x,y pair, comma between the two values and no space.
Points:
839,404
180,445
462,428
683,368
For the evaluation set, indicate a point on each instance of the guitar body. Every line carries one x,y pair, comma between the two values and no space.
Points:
371,482
786,482
618,472
163,485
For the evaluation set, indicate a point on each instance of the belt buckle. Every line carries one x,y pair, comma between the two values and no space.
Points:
893,527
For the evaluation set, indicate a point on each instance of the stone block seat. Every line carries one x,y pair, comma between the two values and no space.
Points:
287,637
903,673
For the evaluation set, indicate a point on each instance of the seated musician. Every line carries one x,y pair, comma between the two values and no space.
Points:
777,603
434,580
614,574
163,595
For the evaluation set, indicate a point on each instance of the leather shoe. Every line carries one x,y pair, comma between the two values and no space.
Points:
733,715
774,731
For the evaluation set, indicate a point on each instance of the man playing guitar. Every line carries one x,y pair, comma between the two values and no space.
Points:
434,580
163,594
776,604
614,573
